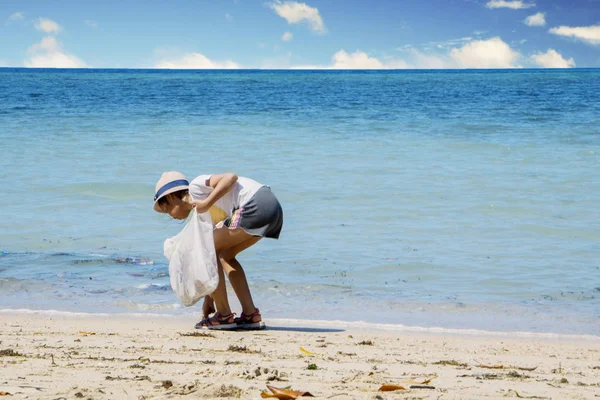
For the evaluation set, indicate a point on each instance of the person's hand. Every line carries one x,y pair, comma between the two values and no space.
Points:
208,307
201,206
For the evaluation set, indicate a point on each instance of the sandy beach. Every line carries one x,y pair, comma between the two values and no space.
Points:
46,356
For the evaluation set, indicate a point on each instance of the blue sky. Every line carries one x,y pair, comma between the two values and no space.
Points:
305,34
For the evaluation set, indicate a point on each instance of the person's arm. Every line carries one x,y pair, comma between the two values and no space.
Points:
221,184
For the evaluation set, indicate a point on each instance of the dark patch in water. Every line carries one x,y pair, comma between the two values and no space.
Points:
98,291
134,260
35,94
88,262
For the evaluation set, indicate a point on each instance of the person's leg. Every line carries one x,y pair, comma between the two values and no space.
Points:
224,238
236,274
219,296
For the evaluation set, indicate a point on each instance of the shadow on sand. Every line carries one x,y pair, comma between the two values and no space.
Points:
302,329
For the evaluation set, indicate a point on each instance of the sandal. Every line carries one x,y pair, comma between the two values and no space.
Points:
250,322
218,322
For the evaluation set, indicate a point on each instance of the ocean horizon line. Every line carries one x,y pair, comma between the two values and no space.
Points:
359,70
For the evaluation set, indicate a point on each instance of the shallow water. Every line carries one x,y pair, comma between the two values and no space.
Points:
455,199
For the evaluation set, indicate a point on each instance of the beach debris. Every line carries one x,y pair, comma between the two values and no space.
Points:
391,388
525,397
241,349
228,391
270,374
85,333
312,367
52,357
453,363
167,384
196,334
500,366
308,353
283,394
366,343
411,384
515,374
426,381
479,376
5,394
10,353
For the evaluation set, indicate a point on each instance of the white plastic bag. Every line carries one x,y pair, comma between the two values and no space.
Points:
193,260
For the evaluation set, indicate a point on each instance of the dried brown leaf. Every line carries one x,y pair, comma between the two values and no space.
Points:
283,394
391,388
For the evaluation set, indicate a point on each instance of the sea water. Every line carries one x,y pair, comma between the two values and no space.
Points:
452,199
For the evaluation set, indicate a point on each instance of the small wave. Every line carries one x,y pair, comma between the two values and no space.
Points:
151,287
316,324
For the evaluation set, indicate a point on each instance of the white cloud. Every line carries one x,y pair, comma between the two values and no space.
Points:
538,19
420,60
228,17
90,23
287,37
438,44
49,43
491,53
356,60
17,16
294,12
195,61
514,4
48,26
49,54
552,59
589,34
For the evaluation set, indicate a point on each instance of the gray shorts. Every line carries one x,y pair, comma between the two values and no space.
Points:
261,216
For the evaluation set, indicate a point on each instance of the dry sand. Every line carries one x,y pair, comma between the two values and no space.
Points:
58,356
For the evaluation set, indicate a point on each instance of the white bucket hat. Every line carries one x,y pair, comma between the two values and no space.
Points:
169,182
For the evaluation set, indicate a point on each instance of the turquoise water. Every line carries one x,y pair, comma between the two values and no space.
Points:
455,199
